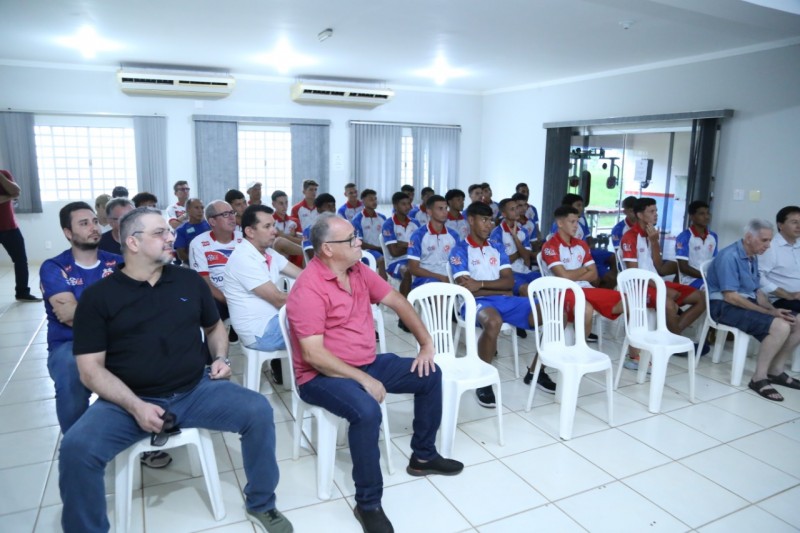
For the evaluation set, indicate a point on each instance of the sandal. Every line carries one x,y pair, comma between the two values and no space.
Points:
785,380
765,389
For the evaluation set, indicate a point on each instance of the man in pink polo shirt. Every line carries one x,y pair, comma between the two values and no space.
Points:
336,366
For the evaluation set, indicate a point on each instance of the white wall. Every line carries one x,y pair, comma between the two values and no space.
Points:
757,144
77,91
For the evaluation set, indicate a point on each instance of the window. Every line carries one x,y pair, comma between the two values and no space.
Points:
407,158
79,161
265,155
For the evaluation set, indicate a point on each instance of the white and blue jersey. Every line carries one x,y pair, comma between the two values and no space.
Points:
420,215
532,215
395,231
458,224
481,263
620,228
695,248
63,274
368,226
583,229
432,249
307,240
349,212
502,234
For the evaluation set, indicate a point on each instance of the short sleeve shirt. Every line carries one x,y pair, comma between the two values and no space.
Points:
247,268
420,215
208,256
620,228
319,305
780,266
481,263
502,234
306,215
458,224
186,233
288,225
368,226
175,211
349,212
696,249
432,248
733,270
571,256
532,214
394,231
636,249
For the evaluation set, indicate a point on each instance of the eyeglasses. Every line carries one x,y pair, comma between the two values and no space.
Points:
350,240
167,429
161,233
224,214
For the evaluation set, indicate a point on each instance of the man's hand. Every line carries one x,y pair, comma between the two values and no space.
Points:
148,416
785,314
652,233
470,284
424,364
375,388
219,369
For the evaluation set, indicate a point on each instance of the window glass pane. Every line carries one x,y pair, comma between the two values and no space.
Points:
266,156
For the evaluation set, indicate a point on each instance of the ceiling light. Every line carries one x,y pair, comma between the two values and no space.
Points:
88,42
283,58
441,71
325,34
626,24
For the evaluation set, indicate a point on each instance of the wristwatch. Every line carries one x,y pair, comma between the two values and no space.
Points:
224,359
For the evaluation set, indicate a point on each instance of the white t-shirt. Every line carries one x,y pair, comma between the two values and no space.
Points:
247,268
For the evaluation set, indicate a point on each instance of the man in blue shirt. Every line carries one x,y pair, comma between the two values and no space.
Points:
736,300
194,226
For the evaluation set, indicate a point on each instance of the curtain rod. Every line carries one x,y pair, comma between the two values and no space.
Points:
80,114
406,124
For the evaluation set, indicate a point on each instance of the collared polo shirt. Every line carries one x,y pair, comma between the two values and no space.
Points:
458,224
150,334
208,256
571,256
780,266
636,249
432,248
348,212
481,263
319,305
368,226
532,214
620,228
733,270
306,215
394,231
696,248
175,211
502,234
286,224
420,215
583,228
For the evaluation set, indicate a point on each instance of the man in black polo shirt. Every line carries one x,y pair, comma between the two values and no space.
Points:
135,348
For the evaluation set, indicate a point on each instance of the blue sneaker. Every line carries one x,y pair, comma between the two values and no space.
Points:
631,364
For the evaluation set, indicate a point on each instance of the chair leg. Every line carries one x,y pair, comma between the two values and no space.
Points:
387,438
569,383
326,454
205,451
499,400
740,342
719,345
123,490
657,378
535,380
515,348
701,340
796,360
610,394
621,362
692,364
298,430
450,401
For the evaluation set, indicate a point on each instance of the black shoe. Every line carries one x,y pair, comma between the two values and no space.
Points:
545,384
591,338
233,337
521,333
528,378
374,521
28,298
403,326
440,465
155,459
486,397
276,371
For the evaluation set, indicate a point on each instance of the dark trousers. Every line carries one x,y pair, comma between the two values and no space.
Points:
791,305
14,244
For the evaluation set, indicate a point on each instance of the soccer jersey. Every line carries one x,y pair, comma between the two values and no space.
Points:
495,209
186,233
636,249
502,234
481,263
63,274
583,229
432,248
304,214
286,224
349,212
696,249
208,256
532,214
529,226
571,256
394,231
175,211
307,240
458,224
621,228
368,226
420,215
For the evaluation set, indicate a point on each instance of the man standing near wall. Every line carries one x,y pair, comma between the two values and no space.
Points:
11,238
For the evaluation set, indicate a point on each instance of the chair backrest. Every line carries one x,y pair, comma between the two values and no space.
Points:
436,303
620,262
544,270
547,297
449,272
387,257
633,284
284,323
369,259
704,274
285,283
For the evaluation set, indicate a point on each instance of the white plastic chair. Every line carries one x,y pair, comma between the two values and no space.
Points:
544,270
394,282
436,303
128,460
505,329
740,339
571,361
656,343
327,427
370,260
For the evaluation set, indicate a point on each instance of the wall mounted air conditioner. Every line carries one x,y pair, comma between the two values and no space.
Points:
182,84
320,94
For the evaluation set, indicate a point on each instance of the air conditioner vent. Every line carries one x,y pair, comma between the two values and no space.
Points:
175,84
319,94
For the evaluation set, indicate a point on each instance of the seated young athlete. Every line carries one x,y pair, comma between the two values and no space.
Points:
455,218
396,236
353,205
420,213
369,225
430,246
695,245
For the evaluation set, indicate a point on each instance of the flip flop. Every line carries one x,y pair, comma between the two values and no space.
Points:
765,389
785,380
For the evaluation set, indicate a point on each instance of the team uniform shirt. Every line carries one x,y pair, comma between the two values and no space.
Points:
394,231
247,268
307,240
319,305
620,228
420,215
696,249
304,214
458,224
349,212
495,209
502,234
186,233
583,229
532,214
369,226
208,256
529,226
63,274
780,266
432,248
175,211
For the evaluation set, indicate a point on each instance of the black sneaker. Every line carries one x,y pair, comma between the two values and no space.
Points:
276,371
486,397
28,298
528,378
521,333
545,384
374,521
403,326
440,465
591,338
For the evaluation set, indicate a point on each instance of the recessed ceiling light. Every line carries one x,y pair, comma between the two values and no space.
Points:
441,71
283,58
88,43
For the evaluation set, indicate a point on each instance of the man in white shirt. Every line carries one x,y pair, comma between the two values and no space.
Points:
780,264
176,213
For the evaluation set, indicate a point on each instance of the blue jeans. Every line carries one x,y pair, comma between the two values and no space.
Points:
347,399
106,429
272,338
72,397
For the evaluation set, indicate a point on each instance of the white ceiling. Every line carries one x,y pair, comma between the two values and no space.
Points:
501,43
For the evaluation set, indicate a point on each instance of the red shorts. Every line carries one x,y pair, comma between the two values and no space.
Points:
684,291
602,300
296,260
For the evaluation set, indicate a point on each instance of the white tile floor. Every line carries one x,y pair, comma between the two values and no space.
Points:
729,462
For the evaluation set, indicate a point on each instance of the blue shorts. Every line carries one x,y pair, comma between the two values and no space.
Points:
394,269
697,284
751,322
600,256
512,309
419,281
522,279
375,253
271,339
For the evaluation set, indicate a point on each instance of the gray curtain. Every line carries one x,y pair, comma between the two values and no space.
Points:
441,149
310,157
19,152
151,157
376,158
556,171
217,153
